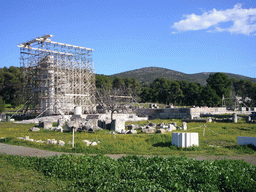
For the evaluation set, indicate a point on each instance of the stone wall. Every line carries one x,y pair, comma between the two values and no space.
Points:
167,113
191,113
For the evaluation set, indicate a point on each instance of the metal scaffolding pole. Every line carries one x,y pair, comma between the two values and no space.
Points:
58,76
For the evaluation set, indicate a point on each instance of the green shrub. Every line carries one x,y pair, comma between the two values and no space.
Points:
136,173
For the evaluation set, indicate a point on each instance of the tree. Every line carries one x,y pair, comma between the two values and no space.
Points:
192,94
220,83
2,105
175,94
118,83
159,90
103,81
113,100
210,97
146,94
11,85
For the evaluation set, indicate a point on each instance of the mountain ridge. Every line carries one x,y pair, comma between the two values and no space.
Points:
149,74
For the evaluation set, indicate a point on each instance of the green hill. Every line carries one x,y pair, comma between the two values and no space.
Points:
149,74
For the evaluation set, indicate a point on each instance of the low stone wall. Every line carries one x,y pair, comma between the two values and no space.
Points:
185,113
167,113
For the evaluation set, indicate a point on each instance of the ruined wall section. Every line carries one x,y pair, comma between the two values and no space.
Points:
189,113
168,113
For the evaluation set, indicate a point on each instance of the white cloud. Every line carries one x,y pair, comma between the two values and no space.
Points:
243,20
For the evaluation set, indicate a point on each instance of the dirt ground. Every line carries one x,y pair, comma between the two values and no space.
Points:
28,151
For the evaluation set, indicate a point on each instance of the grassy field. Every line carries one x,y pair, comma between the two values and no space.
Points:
219,139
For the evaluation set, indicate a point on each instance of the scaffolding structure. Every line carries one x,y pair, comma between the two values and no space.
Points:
57,76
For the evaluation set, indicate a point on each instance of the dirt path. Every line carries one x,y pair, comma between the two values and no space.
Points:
28,151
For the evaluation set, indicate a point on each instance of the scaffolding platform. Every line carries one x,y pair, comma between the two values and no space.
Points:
57,76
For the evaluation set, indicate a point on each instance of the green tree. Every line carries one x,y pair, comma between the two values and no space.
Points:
192,94
209,97
221,83
146,94
2,105
103,81
118,83
174,93
11,85
159,88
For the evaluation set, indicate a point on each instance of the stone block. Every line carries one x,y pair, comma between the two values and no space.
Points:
131,132
94,143
234,117
47,124
61,143
61,122
131,127
185,139
246,140
152,124
34,129
51,141
184,126
163,126
148,130
172,127
20,138
162,131
118,125
87,142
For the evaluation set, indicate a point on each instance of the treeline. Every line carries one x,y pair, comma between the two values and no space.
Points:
160,90
10,86
186,93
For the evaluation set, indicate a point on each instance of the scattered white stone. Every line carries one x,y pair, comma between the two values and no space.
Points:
61,143
93,143
171,127
34,129
163,126
12,120
131,132
59,128
51,141
26,138
20,138
39,141
162,131
87,142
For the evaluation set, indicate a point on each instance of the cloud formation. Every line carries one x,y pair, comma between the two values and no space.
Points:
243,21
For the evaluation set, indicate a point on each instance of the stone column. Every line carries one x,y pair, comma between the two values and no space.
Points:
184,126
234,118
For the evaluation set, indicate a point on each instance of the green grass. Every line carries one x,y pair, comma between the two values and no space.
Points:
219,139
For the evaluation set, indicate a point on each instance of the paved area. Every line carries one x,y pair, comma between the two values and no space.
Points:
28,151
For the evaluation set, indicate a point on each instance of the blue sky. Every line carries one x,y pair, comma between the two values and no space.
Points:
187,36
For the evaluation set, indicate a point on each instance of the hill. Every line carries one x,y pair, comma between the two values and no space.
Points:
149,74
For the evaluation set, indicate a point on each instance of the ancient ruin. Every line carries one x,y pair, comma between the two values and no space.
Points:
57,76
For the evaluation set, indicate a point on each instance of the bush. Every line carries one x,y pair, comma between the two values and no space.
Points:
136,173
